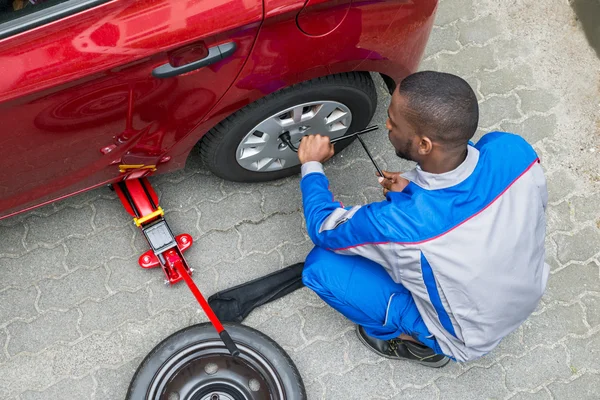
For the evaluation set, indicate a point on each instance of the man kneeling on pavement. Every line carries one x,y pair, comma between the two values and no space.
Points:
452,260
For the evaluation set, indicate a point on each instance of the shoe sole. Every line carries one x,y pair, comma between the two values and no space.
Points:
438,364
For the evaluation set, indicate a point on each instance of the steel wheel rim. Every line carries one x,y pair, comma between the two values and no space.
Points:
261,150
189,375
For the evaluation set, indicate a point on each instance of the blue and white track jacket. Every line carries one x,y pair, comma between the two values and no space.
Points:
468,244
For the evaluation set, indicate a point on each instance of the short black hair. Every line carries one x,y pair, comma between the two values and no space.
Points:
444,105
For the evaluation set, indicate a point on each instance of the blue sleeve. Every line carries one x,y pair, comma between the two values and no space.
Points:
334,227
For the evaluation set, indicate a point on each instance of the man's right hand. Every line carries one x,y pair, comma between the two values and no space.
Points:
392,182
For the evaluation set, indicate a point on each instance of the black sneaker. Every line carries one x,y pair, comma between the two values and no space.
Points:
399,349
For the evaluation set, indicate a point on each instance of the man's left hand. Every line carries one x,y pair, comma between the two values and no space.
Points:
315,148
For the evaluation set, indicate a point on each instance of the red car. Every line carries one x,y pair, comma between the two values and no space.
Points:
96,91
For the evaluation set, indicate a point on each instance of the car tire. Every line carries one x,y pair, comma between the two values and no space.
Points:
219,147
193,363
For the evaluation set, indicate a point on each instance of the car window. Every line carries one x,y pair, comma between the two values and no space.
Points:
20,15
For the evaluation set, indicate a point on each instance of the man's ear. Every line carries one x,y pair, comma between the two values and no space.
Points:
425,146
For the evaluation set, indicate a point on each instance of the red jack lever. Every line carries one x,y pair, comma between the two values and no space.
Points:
166,250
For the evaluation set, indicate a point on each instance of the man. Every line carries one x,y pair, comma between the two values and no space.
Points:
452,260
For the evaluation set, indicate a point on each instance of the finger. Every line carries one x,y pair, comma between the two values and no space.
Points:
389,175
386,183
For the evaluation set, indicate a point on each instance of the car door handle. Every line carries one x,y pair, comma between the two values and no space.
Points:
215,54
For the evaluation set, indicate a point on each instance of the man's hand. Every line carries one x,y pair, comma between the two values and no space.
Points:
315,148
392,182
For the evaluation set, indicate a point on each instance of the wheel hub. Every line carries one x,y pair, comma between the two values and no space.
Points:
208,372
262,150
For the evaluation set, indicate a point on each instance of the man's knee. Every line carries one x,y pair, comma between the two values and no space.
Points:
312,273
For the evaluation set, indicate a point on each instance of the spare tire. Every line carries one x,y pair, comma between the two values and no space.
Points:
194,364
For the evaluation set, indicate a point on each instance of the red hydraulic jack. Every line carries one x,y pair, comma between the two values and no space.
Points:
140,200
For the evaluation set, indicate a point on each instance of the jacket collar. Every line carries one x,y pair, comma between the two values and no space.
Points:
430,181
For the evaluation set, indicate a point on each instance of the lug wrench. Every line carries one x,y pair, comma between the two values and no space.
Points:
285,138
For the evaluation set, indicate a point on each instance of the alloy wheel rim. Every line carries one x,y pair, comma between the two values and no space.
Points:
262,150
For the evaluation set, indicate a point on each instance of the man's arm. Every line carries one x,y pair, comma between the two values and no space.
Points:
332,226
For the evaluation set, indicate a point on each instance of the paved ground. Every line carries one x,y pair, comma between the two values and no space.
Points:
77,314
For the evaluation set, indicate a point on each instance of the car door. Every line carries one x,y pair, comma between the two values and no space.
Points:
91,90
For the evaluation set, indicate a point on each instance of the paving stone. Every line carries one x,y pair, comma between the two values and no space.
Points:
503,80
246,269
58,226
373,194
536,368
285,198
510,345
284,330
376,380
583,388
33,266
558,218
536,100
467,61
272,232
173,297
190,192
560,184
314,390
12,240
17,303
451,10
323,322
533,129
442,38
568,283
128,275
231,211
585,353
319,358
553,324
113,311
344,181
495,109
141,337
427,393
213,248
468,385
586,208
67,389
592,304
409,373
3,337
99,248
110,213
71,289
552,262
97,350
113,382
539,395
50,327
357,352
512,50
180,222
294,253
479,31
27,372
578,247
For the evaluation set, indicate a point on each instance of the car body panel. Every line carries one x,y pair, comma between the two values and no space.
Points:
78,97
69,131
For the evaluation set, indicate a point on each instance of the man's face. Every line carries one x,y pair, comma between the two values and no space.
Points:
402,134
